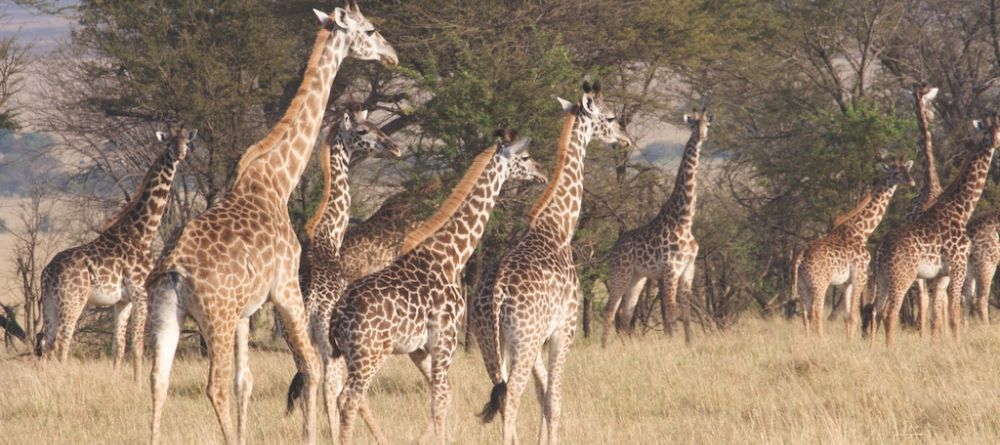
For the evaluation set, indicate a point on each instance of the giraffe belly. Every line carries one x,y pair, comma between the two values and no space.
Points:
840,277
102,296
927,270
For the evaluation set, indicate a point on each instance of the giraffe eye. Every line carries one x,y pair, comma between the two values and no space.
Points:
611,119
363,131
370,32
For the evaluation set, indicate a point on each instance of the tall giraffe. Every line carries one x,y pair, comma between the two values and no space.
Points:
841,257
935,247
243,249
111,270
984,256
351,139
930,188
415,304
664,248
531,296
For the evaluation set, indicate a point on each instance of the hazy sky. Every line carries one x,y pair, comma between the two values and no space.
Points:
42,31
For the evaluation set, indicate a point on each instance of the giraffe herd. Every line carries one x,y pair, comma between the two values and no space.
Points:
394,285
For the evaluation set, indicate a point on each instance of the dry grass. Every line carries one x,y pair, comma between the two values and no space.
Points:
761,383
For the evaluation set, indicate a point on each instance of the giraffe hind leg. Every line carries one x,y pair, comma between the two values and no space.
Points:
243,379
122,310
167,317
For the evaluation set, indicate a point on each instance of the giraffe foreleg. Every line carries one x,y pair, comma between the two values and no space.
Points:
140,308
686,284
983,278
620,288
122,310
442,355
957,278
669,310
938,289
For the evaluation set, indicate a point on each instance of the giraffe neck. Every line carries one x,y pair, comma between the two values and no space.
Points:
328,234
141,218
274,168
562,210
455,241
680,207
987,221
864,222
962,195
932,185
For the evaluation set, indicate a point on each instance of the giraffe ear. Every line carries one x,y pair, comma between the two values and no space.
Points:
978,124
884,167
162,137
324,18
363,115
345,121
588,104
518,146
688,119
931,94
343,18
566,105
908,165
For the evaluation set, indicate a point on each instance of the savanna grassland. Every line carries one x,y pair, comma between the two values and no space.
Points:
761,382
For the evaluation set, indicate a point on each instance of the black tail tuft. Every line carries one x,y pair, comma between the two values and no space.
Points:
497,398
295,391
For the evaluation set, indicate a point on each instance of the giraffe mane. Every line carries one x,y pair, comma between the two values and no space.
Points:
561,156
450,205
844,217
270,141
324,200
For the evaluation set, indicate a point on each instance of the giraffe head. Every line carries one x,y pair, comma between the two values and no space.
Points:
897,171
592,112
361,138
363,41
989,128
924,92
699,121
515,150
178,139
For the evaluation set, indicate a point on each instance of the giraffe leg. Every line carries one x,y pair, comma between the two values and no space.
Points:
288,299
140,304
687,280
629,302
522,357
541,389
220,375
817,290
805,294
984,279
244,378
354,394
166,320
956,280
332,377
442,355
68,316
938,291
672,282
122,310
558,348
924,299
619,288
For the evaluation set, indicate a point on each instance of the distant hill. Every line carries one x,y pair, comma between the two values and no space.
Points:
23,158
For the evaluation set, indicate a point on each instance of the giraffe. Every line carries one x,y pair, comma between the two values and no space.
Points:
930,188
349,140
984,256
111,270
664,248
368,247
841,257
243,250
935,246
530,297
414,305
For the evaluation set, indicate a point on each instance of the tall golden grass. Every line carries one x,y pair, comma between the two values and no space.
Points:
762,382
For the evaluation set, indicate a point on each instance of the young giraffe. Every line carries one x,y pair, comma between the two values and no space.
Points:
112,269
243,249
664,248
984,256
930,188
935,246
415,304
530,298
841,257
351,139
367,247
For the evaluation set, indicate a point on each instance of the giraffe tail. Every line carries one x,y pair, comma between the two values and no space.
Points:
294,392
498,395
